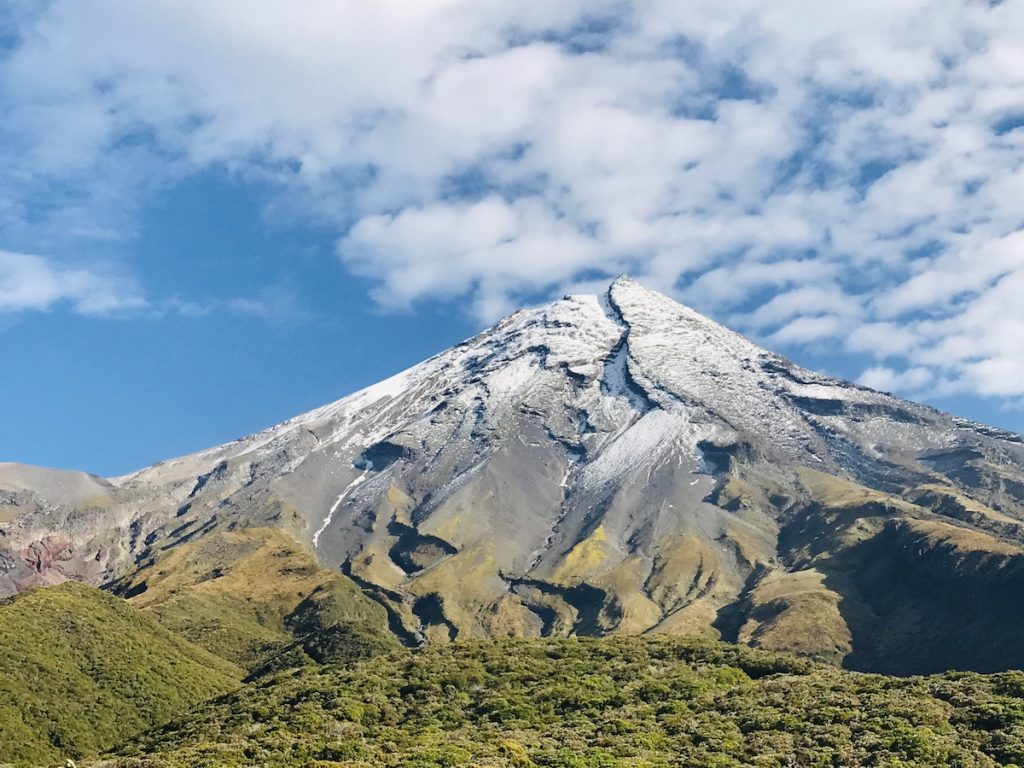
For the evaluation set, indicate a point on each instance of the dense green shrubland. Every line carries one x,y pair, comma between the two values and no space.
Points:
654,701
81,670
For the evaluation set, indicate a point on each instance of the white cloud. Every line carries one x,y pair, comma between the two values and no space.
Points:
806,300
35,283
447,250
888,380
981,348
31,283
809,329
827,171
883,339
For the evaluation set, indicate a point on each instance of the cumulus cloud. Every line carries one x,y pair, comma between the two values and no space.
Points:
35,283
887,380
491,246
834,172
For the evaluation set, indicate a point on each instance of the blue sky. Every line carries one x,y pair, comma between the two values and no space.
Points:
215,216
112,393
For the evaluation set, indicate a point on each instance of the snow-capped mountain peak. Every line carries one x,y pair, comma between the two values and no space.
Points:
614,462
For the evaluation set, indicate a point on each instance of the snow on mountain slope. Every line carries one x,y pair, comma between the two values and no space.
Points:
601,463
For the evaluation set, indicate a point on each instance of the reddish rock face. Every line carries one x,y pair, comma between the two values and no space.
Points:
51,560
45,557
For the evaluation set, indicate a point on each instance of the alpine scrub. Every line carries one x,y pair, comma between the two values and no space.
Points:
650,701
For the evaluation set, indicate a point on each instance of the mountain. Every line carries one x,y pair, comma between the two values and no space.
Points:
599,465
82,671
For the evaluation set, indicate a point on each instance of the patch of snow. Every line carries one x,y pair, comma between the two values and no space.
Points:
834,391
509,379
337,502
640,443
615,379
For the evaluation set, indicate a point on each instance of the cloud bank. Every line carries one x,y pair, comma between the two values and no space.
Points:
843,174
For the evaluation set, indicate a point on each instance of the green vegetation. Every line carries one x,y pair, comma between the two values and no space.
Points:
250,595
82,671
85,672
648,701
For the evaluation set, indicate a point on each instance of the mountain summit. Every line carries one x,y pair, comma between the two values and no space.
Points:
601,464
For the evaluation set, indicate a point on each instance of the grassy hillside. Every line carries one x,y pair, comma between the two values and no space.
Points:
250,595
82,670
651,701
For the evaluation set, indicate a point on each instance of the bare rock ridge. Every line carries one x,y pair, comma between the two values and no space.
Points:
614,463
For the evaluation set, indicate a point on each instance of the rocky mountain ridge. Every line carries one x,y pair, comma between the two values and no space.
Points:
601,464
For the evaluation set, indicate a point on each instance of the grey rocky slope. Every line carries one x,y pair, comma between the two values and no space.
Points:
614,463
